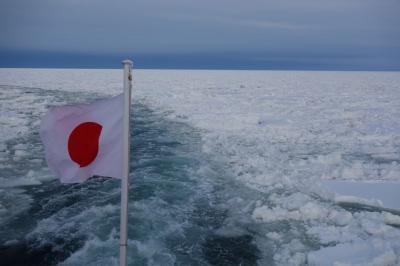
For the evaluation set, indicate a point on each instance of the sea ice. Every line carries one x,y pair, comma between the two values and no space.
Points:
280,133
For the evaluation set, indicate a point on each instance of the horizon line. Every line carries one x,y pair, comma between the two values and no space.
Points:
217,69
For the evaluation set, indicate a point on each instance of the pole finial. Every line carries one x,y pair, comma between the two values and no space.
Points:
127,62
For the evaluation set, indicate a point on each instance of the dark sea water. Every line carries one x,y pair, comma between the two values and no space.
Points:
179,201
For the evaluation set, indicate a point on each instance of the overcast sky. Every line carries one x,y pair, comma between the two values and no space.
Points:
284,34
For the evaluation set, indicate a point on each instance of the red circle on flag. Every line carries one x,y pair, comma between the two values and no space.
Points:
83,143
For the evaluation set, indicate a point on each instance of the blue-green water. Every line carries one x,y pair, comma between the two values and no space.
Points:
178,202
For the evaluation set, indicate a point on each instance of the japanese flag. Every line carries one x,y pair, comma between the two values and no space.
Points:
83,140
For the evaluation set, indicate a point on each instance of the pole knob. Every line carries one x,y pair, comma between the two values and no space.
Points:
127,62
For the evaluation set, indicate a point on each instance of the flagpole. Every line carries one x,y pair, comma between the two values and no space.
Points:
125,171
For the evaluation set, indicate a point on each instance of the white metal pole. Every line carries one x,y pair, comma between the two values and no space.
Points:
125,171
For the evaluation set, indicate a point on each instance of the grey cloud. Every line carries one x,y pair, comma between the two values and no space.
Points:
155,26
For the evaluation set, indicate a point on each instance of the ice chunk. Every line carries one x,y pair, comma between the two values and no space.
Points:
380,194
392,219
357,253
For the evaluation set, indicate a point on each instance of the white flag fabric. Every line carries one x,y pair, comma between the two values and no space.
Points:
83,140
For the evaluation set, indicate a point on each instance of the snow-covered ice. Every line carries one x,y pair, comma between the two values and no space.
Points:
276,134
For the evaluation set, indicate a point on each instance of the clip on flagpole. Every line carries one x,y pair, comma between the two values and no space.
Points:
125,171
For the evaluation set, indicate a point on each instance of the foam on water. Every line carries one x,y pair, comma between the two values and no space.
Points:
178,199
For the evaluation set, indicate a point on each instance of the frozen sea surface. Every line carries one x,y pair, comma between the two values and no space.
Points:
226,169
